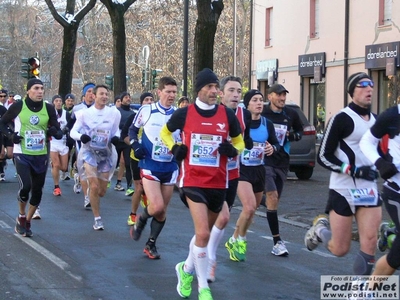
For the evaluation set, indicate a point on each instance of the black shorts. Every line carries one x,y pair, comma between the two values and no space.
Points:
7,142
254,175
339,204
274,179
135,169
231,192
213,198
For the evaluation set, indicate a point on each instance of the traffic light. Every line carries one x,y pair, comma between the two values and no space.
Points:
25,68
110,81
31,67
154,74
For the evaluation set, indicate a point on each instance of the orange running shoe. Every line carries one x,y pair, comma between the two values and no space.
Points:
57,192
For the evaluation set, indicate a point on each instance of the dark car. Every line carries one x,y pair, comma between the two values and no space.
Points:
302,153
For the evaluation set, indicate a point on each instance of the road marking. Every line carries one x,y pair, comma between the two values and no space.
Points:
320,253
50,256
4,225
271,238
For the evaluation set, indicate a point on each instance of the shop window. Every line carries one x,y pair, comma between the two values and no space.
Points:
388,90
317,105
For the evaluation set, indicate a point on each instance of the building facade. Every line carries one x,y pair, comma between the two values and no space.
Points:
312,46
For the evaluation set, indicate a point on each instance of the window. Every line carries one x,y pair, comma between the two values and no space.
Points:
385,12
314,18
268,27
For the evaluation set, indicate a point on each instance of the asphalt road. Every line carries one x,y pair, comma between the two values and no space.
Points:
67,259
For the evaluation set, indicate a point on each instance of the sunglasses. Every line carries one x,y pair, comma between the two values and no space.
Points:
2,96
364,84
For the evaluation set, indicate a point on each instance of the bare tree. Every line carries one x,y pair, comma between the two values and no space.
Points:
206,27
117,12
70,22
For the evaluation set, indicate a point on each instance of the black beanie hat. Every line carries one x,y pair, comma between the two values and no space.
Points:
249,95
123,94
32,82
204,77
144,95
353,80
55,97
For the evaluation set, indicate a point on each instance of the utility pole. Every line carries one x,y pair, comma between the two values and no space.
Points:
185,45
146,54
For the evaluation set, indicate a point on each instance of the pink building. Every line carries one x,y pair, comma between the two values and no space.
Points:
312,46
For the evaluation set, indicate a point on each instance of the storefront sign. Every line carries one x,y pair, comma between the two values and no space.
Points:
265,68
376,55
308,62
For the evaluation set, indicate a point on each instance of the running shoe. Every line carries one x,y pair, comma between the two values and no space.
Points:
129,191
280,249
136,230
311,239
2,177
382,240
20,225
28,231
240,250
36,215
119,187
205,294
131,219
77,184
151,251
98,225
144,202
184,286
57,192
212,265
230,246
64,176
87,202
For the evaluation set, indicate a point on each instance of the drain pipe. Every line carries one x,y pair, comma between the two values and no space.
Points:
251,42
346,50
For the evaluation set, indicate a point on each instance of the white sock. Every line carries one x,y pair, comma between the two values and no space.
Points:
201,265
215,238
189,263
241,238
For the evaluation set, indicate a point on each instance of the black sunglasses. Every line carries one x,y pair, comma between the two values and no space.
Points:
364,84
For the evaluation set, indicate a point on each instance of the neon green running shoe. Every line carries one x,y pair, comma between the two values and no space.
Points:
184,286
230,246
205,294
240,250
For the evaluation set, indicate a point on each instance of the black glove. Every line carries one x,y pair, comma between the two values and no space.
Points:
179,151
65,130
16,138
58,135
248,143
52,131
115,140
386,168
227,149
85,138
365,172
139,150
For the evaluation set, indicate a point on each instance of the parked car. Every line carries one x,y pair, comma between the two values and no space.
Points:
303,153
